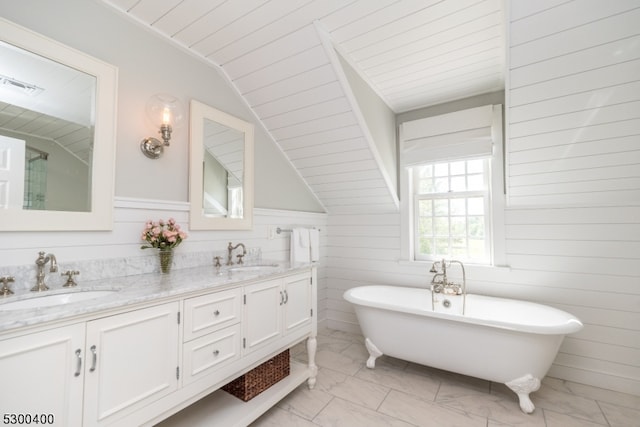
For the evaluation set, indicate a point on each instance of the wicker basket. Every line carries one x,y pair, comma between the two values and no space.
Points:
260,378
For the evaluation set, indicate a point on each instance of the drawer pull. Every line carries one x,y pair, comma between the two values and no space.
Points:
216,352
216,313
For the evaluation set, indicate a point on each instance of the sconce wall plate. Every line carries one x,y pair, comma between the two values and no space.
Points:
151,147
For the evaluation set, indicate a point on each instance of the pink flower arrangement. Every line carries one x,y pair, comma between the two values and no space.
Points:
162,235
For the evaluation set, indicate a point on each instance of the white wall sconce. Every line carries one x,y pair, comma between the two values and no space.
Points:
165,111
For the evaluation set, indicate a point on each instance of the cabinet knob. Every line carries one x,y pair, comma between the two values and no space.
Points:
216,313
216,352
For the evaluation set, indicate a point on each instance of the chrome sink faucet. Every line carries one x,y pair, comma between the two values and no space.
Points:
40,263
230,249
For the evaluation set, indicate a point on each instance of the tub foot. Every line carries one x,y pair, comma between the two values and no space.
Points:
312,345
522,387
374,353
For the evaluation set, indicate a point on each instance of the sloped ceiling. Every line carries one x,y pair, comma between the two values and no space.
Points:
279,56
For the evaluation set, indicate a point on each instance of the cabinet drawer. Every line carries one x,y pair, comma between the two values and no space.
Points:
208,313
204,355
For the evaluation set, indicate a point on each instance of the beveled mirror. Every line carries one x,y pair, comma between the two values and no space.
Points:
57,135
220,170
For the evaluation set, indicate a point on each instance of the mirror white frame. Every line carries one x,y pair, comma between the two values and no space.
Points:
100,217
198,221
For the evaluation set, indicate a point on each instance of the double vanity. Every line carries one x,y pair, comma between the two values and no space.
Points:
137,350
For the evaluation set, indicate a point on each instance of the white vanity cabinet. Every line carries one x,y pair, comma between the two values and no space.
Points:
94,372
276,308
140,364
41,375
131,359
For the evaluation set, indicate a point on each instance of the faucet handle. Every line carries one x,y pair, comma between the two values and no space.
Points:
70,282
5,280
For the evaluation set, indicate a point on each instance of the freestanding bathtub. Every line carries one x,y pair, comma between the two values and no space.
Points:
501,340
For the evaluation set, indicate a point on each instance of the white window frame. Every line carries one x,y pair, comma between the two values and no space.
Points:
485,193
496,225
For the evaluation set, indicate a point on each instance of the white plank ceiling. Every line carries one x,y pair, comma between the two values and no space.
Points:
277,54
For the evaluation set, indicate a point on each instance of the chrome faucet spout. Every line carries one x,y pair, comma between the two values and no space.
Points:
40,263
230,250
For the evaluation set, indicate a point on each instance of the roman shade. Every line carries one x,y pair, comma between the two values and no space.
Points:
447,137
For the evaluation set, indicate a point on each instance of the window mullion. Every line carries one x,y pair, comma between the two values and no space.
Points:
460,238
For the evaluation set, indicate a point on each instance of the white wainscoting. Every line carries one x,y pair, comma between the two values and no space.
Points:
21,248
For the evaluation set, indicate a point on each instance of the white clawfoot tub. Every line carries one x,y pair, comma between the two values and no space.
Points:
501,340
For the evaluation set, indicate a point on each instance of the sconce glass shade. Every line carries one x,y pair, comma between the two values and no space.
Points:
166,112
165,109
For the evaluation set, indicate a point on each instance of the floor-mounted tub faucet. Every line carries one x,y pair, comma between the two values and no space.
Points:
439,285
444,286
40,263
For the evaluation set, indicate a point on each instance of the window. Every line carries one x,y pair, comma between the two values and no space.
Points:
452,188
452,204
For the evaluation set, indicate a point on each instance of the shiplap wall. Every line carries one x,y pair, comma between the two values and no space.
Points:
580,259
21,248
574,102
578,251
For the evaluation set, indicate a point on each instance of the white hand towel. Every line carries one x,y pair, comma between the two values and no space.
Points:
299,250
304,237
314,244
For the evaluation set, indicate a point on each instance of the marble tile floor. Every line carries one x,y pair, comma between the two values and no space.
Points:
403,394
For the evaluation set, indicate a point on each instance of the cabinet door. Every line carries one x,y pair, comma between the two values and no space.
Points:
298,302
132,360
40,374
262,318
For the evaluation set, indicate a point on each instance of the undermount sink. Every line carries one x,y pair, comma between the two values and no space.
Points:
53,299
253,268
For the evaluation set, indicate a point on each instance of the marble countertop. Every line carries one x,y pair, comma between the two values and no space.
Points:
134,289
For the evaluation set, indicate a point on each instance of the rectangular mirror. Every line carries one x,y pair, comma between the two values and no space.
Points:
220,170
57,135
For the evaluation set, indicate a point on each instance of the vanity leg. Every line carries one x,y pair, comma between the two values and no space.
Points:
312,345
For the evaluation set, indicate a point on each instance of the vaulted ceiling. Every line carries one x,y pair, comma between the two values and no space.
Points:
281,57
